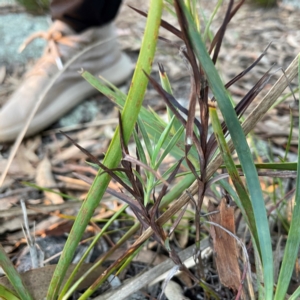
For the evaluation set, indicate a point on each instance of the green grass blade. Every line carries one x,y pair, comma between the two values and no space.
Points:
164,80
296,294
293,241
282,99
177,190
241,146
161,141
153,124
156,116
291,166
207,26
5,293
44,189
165,83
140,149
90,290
145,136
13,276
170,146
129,116
234,174
68,292
169,9
167,173
195,15
129,260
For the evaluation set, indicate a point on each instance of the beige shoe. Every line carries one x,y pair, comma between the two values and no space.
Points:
70,88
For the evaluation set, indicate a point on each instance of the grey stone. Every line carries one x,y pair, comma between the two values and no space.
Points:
14,29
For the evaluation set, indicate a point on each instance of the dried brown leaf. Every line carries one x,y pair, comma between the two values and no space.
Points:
44,178
20,166
72,152
225,248
11,225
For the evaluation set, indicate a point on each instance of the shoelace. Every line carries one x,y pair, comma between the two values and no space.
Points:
53,37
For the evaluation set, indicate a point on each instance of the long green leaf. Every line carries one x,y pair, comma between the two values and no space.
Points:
170,146
140,148
287,166
113,155
165,83
68,292
13,276
5,293
145,136
208,24
44,189
241,146
296,294
161,141
246,207
293,241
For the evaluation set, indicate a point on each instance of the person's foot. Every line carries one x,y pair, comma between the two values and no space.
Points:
69,88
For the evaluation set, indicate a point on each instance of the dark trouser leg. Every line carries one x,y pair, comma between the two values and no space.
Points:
82,14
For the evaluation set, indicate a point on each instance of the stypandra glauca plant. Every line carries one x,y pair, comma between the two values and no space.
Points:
155,196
